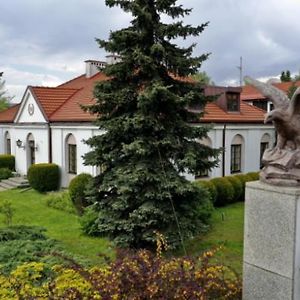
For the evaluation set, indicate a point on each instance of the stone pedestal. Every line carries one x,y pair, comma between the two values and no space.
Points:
271,243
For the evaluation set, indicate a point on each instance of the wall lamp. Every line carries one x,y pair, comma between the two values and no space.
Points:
20,144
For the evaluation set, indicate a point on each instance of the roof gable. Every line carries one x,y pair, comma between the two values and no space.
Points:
30,110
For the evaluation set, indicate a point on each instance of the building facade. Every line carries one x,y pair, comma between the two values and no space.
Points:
50,126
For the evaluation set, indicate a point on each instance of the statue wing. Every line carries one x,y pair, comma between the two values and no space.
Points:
295,103
278,97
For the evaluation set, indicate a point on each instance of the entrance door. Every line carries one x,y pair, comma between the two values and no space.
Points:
30,149
31,152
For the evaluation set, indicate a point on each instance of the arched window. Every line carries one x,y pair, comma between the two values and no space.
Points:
71,154
7,143
236,153
264,144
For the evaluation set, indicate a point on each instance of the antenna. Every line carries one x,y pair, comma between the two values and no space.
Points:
240,67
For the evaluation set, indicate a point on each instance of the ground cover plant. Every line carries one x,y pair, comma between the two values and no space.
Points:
30,208
133,275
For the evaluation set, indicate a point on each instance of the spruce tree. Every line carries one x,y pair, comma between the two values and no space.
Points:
151,137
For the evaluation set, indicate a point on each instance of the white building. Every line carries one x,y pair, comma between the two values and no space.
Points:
50,126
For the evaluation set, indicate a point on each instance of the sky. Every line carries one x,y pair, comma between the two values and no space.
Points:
45,42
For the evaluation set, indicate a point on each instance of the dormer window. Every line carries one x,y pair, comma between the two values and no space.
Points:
233,102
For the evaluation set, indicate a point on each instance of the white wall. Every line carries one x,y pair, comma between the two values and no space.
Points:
40,134
252,135
59,151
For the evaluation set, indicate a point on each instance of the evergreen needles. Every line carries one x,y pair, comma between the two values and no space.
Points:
150,136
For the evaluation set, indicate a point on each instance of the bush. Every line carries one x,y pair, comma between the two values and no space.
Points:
225,191
210,187
237,187
134,275
253,176
77,188
44,177
22,244
7,211
243,178
5,173
88,222
7,161
61,201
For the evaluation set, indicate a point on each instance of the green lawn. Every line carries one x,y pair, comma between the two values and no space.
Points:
227,229
31,209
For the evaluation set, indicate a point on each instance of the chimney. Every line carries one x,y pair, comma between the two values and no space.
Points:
92,67
112,59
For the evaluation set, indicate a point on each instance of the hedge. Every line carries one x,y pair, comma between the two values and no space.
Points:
7,161
77,188
228,189
210,187
237,187
44,177
5,173
225,191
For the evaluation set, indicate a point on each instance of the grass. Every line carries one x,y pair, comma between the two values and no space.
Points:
227,230
31,209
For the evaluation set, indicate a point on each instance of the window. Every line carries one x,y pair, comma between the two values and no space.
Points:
263,147
236,158
71,154
202,174
233,103
72,151
261,104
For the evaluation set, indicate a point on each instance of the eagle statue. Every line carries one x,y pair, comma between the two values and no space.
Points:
281,164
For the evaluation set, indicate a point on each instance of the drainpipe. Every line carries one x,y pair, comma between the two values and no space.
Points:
49,144
223,152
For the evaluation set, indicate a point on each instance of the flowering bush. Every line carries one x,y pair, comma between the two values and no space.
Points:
133,275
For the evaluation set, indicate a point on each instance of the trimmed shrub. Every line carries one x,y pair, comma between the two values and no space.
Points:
5,173
7,161
237,187
225,191
243,178
77,188
253,175
44,177
61,201
210,188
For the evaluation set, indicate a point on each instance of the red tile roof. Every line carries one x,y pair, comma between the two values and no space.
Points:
9,114
62,104
71,110
51,99
248,114
251,93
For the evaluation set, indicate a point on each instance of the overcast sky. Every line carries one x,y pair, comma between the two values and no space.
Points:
45,42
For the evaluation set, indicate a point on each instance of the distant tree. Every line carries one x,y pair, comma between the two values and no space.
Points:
203,78
148,142
285,76
297,77
4,98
